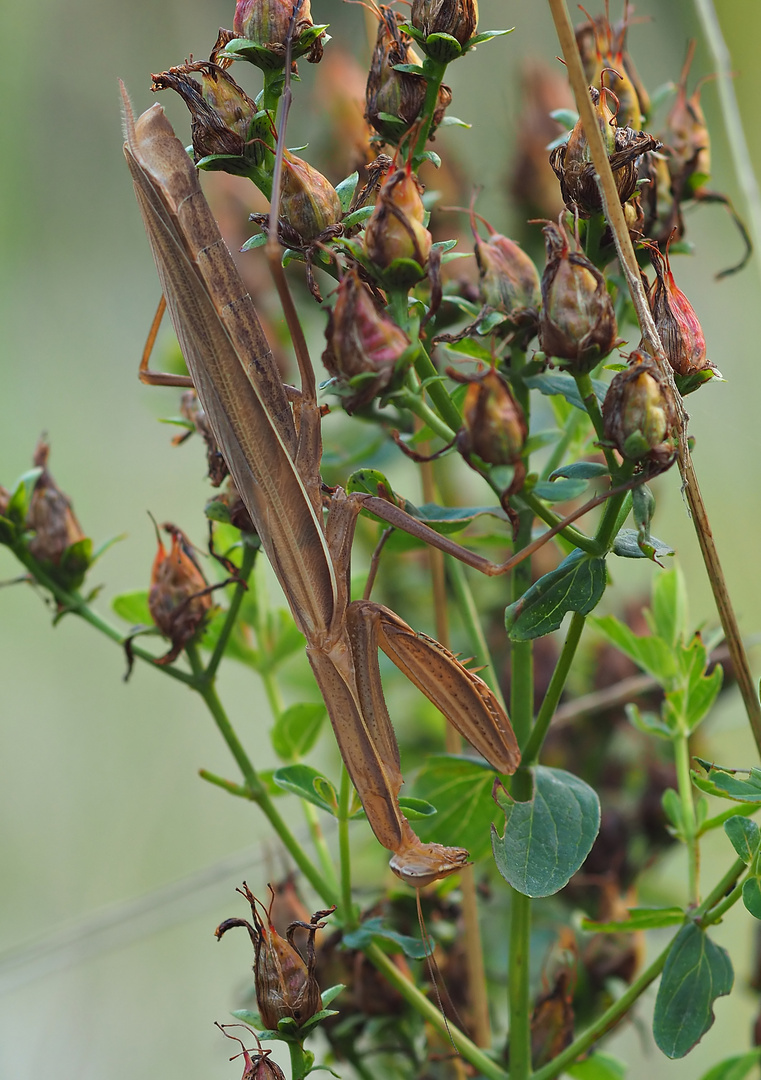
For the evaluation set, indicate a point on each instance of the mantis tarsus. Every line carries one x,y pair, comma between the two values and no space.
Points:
273,452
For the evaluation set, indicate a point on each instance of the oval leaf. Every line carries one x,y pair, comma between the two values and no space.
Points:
547,839
734,1068
460,789
576,585
639,919
696,973
744,836
752,896
296,731
309,784
133,607
598,1067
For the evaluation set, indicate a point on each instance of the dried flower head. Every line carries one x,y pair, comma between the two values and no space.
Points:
257,1064
396,230
606,58
362,341
285,982
179,599
458,18
577,322
639,413
220,112
509,280
58,540
493,424
266,24
573,165
686,136
393,98
678,326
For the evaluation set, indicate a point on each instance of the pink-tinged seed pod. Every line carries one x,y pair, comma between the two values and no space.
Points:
308,201
395,230
361,340
399,94
639,413
686,136
509,280
577,322
178,601
266,23
678,326
285,982
458,18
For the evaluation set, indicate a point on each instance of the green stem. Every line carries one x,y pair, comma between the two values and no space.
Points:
298,1062
75,604
258,794
348,912
247,565
466,606
518,986
554,690
521,652
592,405
684,784
575,419
569,533
434,73
430,1013
621,1006
412,399
436,390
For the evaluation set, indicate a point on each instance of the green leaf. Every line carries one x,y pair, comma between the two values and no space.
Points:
487,35
639,919
581,470
345,190
309,784
728,786
18,504
648,722
672,808
374,930
734,1068
296,730
696,973
627,546
752,896
474,349
356,217
557,382
133,607
454,121
460,789
598,1066
257,241
414,809
669,611
560,490
576,585
247,1016
650,653
331,993
567,117
547,839
237,647
744,835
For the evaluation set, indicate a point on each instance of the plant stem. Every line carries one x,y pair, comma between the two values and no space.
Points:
298,1063
348,912
592,405
549,517
247,565
684,784
208,692
521,652
425,1008
518,986
434,73
554,690
437,391
412,399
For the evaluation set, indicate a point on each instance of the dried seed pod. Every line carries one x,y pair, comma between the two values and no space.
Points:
509,280
639,413
220,111
266,23
493,424
577,322
458,18
285,983
572,163
395,230
678,326
686,136
257,1064
179,599
398,94
361,340
308,201
58,540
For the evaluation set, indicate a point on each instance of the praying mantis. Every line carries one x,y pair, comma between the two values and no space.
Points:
273,450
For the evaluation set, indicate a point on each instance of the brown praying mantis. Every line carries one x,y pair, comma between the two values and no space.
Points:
273,451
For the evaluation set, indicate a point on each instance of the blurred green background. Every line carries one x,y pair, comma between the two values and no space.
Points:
100,800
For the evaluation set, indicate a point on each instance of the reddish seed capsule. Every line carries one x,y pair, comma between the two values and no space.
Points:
577,322
396,230
178,600
308,202
680,331
285,982
361,340
494,426
58,539
639,413
509,279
